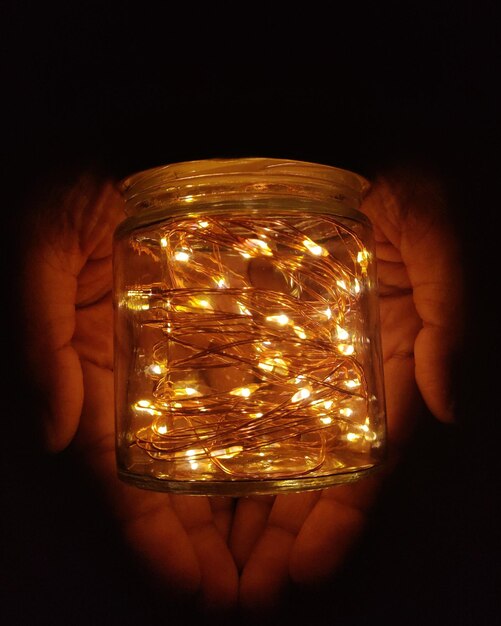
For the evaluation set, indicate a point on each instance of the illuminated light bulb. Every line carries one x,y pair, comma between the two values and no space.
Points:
190,453
342,333
186,391
177,405
145,307
352,383
314,248
266,366
155,369
281,366
144,406
346,349
302,394
274,364
256,414
182,255
363,260
220,282
244,392
161,429
326,420
363,256
163,242
193,465
228,453
327,313
205,304
352,436
203,224
342,284
365,428
328,404
243,309
300,332
347,412
189,198
281,319
252,247
259,243
356,286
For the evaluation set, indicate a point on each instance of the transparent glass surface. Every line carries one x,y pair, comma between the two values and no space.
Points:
247,354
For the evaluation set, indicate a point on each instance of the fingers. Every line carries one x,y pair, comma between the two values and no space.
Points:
150,525
67,228
251,516
410,212
404,404
305,539
331,529
48,297
219,576
265,577
431,253
175,535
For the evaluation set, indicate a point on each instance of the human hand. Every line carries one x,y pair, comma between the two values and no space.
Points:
304,538
197,545
69,348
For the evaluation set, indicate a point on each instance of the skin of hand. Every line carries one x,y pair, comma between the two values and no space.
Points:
225,552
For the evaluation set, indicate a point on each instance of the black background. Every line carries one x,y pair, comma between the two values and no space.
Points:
130,88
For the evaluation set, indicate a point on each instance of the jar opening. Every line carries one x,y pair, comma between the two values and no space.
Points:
255,176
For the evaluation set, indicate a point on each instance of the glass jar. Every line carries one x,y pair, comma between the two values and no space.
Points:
247,348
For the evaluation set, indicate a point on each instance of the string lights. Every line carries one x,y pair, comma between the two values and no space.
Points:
253,354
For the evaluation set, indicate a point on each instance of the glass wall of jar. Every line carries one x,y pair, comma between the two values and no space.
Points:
247,348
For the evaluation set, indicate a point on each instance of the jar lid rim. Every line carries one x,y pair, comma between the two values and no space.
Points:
217,168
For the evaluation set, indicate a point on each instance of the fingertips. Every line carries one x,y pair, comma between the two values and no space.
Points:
326,538
159,540
219,577
437,369
266,576
332,529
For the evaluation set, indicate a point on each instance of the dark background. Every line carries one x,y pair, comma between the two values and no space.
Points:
364,89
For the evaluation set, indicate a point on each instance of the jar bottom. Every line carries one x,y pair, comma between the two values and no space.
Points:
242,488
